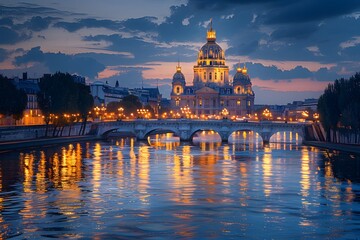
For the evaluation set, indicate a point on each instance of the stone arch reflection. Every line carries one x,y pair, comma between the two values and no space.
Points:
246,140
164,140
206,139
286,137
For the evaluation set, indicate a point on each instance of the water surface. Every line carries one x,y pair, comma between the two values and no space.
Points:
166,190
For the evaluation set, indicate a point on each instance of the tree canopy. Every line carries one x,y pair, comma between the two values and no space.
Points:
60,97
13,101
130,104
339,105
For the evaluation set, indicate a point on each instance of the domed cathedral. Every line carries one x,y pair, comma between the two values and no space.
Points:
212,92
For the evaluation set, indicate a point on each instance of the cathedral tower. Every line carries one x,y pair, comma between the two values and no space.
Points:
211,69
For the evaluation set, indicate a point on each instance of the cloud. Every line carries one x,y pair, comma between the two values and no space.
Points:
26,10
38,23
143,24
9,36
315,50
84,66
294,32
244,48
6,22
283,11
273,73
280,97
143,51
350,43
89,23
3,54
310,11
258,70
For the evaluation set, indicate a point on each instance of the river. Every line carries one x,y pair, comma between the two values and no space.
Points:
164,189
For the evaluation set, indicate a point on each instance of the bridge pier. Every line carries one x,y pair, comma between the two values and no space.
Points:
265,137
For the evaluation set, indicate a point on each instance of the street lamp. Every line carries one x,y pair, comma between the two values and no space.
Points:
224,113
267,114
143,113
185,111
121,111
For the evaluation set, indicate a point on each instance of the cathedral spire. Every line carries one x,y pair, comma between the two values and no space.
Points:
239,69
211,34
178,67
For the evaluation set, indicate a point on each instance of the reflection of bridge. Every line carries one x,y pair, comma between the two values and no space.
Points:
186,129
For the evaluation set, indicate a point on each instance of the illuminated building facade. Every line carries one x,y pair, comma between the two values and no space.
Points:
212,93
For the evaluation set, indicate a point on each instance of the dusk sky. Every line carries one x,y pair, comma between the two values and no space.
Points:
292,48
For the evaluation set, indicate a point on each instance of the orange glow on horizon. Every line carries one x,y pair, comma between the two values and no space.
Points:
296,85
108,72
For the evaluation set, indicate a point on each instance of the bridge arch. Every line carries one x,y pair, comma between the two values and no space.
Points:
194,132
160,130
119,132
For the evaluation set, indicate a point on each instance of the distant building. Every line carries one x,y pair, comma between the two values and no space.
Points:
212,93
78,79
32,113
104,94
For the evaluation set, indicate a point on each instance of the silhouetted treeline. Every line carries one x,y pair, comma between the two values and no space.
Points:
12,100
63,102
339,109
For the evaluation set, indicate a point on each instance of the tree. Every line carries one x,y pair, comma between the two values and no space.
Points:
60,98
13,101
85,103
130,104
339,105
113,107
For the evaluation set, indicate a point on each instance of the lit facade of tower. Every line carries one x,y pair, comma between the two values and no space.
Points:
211,69
212,93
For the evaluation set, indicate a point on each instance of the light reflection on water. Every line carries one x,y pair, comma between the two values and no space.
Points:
128,189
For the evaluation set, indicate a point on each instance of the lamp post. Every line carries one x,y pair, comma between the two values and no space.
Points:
120,113
185,111
267,114
143,113
224,113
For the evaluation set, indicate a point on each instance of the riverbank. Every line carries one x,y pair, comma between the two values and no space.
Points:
14,145
335,146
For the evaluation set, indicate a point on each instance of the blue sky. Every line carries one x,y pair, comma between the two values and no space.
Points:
292,49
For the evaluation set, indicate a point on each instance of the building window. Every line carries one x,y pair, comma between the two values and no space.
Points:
210,76
238,90
249,103
221,102
238,102
177,102
221,76
205,75
200,102
228,91
214,102
188,91
194,104
210,62
177,90
215,76
227,103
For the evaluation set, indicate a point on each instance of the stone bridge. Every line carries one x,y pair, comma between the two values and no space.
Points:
186,128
